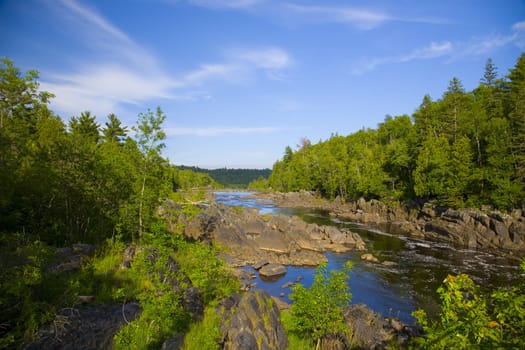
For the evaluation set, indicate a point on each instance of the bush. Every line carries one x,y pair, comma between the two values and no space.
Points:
318,310
471,319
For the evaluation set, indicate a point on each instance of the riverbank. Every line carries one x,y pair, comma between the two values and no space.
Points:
487,230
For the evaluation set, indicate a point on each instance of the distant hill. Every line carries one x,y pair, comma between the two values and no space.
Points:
234,178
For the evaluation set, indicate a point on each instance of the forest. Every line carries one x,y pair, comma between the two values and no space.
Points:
232,178
466,149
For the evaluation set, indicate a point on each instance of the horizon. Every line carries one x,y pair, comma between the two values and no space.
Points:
239,80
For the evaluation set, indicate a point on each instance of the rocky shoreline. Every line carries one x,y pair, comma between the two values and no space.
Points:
489,230
251,238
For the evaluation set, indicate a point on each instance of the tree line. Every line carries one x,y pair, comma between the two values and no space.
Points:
231,178
465,149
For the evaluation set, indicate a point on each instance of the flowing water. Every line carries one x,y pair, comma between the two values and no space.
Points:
421,265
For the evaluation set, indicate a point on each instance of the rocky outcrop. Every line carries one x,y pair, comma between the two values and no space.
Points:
370,331
474,228
252,238
71,259
87,327
251,321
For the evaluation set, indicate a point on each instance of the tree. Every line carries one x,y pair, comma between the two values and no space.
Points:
431,168
516,115
491,73
20,98
23,109
114,132
85,127
317,311
460,174
454,105
149,136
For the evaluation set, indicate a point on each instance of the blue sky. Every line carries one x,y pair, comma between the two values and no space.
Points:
239,80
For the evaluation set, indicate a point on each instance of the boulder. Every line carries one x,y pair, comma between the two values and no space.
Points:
272,270
174,343
251,321
369,258
258,265
370,331
86,327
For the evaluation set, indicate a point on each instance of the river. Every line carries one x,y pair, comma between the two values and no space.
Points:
421,265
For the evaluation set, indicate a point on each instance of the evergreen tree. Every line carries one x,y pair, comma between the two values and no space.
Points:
114,131
491,73
516,114
85,127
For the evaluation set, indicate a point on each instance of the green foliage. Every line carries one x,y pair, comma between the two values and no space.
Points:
205,334
186,179
162,313
80,183
231,178
470,318
465,149
211,275
318,310
260,184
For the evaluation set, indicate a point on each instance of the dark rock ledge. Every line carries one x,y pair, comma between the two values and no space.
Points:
501,233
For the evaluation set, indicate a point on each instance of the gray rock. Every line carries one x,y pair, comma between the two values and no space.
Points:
88,327
174,343
272,270
258,265
251,322
287,285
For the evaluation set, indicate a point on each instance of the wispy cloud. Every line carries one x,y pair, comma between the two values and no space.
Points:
216,131
450,50
360,17
240,65
116,70
113,70
233,4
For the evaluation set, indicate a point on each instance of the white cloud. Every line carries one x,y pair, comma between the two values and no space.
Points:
435,49
216,131
102,88
116,70
361,18
234,4
238,66
451,50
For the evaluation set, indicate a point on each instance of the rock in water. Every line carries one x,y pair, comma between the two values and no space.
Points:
272,270
369,258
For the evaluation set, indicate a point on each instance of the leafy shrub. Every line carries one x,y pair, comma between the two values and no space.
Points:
204,334
205,270
318,310
472,319
162,314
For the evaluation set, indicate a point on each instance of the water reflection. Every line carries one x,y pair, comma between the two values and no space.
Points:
397,290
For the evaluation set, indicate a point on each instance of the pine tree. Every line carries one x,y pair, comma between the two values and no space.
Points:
114,132
491,73
516,114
